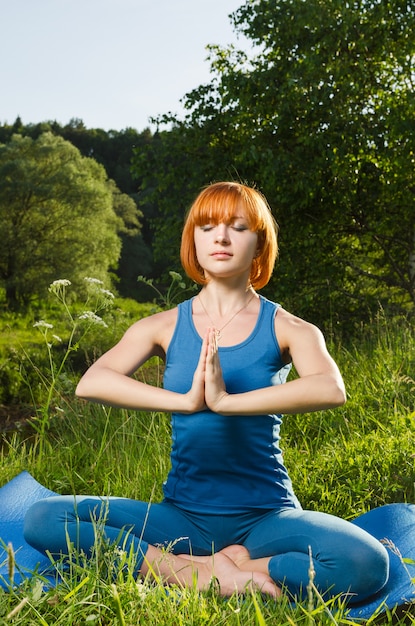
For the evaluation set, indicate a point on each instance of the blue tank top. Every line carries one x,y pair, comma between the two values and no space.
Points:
227,464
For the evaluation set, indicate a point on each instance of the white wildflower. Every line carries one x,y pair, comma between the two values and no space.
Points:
94,318
142,590
57,338
118,551
58,288
107,293
42,324
62,282
94,281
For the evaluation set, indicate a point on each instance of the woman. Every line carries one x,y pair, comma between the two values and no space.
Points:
229,509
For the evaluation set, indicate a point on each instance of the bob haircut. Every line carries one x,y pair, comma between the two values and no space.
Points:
219,203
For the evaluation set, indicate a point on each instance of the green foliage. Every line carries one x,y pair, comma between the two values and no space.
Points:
339,155
317,113
102,590
175,293
56,217
112,149
52,345
361,455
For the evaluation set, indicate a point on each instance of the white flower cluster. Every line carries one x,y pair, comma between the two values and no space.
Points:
106,292
142,590
97,284
93,281
90,316
42,324
58,287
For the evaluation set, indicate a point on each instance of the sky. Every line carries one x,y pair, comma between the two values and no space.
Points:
111,63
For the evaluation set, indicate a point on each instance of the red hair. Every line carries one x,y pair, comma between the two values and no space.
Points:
219,203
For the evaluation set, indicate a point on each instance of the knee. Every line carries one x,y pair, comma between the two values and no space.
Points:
35,524
43,528
369,569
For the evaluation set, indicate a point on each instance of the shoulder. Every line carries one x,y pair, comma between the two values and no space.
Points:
293,331
156,329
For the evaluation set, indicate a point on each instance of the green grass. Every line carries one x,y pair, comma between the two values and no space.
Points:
345,461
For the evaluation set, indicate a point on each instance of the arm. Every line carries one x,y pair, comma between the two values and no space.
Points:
319,386
109,380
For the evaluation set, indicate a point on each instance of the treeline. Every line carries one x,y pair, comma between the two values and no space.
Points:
319,115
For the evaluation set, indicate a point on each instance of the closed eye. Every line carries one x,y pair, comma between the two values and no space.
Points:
234,224
239,227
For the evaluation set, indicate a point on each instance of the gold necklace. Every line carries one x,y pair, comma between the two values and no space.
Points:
219,330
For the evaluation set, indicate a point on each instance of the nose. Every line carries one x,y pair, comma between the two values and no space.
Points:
222,233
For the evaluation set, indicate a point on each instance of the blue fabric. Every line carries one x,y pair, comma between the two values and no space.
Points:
16,497
394,526
345,557
227,464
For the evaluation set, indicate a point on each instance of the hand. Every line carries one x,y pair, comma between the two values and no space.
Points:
195,397
215,390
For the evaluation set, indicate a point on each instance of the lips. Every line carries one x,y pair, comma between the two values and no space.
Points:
221,254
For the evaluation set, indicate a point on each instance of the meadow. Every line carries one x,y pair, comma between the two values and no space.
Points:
344,461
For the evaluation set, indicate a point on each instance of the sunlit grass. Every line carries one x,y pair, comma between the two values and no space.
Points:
345,461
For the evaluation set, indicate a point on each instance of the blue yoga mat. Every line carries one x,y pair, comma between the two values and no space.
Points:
15,499
393,525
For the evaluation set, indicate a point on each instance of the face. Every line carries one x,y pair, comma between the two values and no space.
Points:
226,249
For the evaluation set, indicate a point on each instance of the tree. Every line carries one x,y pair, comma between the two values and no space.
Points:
114,150
320,114
56,217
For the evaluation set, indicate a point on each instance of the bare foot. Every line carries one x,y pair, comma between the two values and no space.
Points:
241,557
231,578
238,554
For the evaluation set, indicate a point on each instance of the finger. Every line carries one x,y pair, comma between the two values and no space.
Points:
215,342
203,353
212,341
214,346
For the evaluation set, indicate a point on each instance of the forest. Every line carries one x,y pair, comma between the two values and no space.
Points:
319,115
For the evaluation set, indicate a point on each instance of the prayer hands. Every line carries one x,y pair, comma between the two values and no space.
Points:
208,388
215,390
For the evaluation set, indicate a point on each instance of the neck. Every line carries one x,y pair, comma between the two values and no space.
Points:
224,299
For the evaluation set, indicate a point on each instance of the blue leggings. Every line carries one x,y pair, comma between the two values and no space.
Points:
346,559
